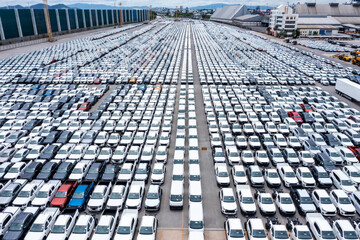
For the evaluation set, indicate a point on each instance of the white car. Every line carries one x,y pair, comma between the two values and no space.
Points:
234,229
305,177
46,193
353,173
119,154
344,230
158,173
147,228
222,175
285,203
43,224
239,174
127,225
300,232
306,158
347,156
342,203
342,181
99,197
135,195
126,173
63,225
255,229
28,193
278,231
246,200
287,175
266,204
80,170
117,197
83,228
227,201
322,201
262,158
105,228
247,157
272,177
161,154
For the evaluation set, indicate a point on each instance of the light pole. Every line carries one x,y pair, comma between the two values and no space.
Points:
150,12
120,14
47,20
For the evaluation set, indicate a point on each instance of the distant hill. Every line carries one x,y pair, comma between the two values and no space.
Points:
220,5
41,6
102,6
12,7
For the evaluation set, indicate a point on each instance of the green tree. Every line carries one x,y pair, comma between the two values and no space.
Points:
296,33
315,33
276,27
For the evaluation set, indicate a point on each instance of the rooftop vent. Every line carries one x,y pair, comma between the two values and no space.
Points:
334,4
311,4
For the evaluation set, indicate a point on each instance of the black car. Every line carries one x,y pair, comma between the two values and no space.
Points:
47,171
64,137
96,169
110,173
307,117
330,139
20,226
282,114
63,171
52,137
323,159
31,171
302,200
95,115
31,124
49,152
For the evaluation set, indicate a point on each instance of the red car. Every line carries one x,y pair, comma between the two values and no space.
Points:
97,81
306,108
356,151
84,106
296,116
63,195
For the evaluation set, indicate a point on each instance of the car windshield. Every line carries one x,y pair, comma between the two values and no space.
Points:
266,200
323,175
60,195
306,155
15,226
256,174
350,235
259,233
304,235
289,174
134,196
286,200
344,200
176,198
219,154
278,155
78,195
281,235
102,229
157,171
240,174
14,170
152,196
223,174
79,229
97,195
195,198
247,200
306,200
125,171
24,194
36,227
58,229
42,194
273,175
346,182
307,175
229,199
123,230
5,193
196,224
325,200
328,235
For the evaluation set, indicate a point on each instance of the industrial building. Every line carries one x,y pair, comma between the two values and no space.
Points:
229,13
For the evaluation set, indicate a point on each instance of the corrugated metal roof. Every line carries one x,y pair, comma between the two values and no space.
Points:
317,21
327,9
349,20
249,18
229,12
352,26
317,27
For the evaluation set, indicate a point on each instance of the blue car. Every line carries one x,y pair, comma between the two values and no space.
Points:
49,92
142,87
81,196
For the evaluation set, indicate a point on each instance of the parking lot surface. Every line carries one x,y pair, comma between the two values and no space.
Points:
177,130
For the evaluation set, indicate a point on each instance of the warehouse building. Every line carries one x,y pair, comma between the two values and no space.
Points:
229,13
249,20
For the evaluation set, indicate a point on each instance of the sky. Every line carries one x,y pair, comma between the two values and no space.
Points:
161,3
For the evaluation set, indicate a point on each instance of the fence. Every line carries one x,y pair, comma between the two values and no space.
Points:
21,23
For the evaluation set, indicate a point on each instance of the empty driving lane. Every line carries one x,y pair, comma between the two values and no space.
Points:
213,219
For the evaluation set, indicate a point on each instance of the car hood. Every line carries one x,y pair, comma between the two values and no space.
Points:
54,236
115,202
34,236
95,202
308,207
5,200
76,202
59,176
152,202
12,235
20,201
78,237
347,207
229,205
248,207
145,237
27,176
58,201
132,202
